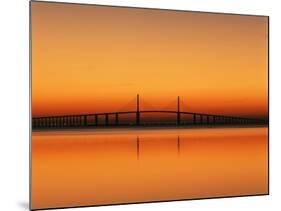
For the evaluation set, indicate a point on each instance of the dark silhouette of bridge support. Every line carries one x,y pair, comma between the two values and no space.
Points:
201,119
178,113
194,119
85,120
96,119
138,111
77,121
116,119
106,120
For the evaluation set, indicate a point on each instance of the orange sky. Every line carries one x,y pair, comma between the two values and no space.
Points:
88,59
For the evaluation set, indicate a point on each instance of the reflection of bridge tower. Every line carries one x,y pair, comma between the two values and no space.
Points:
138,145
138,111
178,112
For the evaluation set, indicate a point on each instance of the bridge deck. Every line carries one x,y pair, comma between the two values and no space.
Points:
82,120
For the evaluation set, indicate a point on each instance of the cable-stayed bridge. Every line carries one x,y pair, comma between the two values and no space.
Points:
114,119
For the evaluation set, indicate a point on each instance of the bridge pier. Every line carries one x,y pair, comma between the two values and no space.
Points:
106,119
78,120
137,118
217,119
178,118
73,121
64,124
138,111
116,119
178,113
96,119
225,120
85,120
42,122
194,119
65,121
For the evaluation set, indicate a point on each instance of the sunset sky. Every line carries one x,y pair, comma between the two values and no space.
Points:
88,59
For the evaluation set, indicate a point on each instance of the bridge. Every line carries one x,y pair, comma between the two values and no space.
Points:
182,118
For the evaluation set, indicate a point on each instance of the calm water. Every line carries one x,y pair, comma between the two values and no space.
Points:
74,168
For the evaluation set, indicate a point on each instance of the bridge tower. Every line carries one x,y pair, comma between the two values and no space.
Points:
138,110
178,112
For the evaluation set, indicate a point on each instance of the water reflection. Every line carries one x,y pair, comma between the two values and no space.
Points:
138,145
108,167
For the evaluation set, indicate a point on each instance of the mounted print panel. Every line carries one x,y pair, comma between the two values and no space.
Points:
134,105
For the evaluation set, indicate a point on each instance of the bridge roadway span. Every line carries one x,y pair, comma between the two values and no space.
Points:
87,120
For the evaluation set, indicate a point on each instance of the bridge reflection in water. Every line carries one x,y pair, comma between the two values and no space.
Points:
140,164
138,145
94,120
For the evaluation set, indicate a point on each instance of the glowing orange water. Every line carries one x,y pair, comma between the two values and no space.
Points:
138,165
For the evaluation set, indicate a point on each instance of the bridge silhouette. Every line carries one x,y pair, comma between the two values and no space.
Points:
93,120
